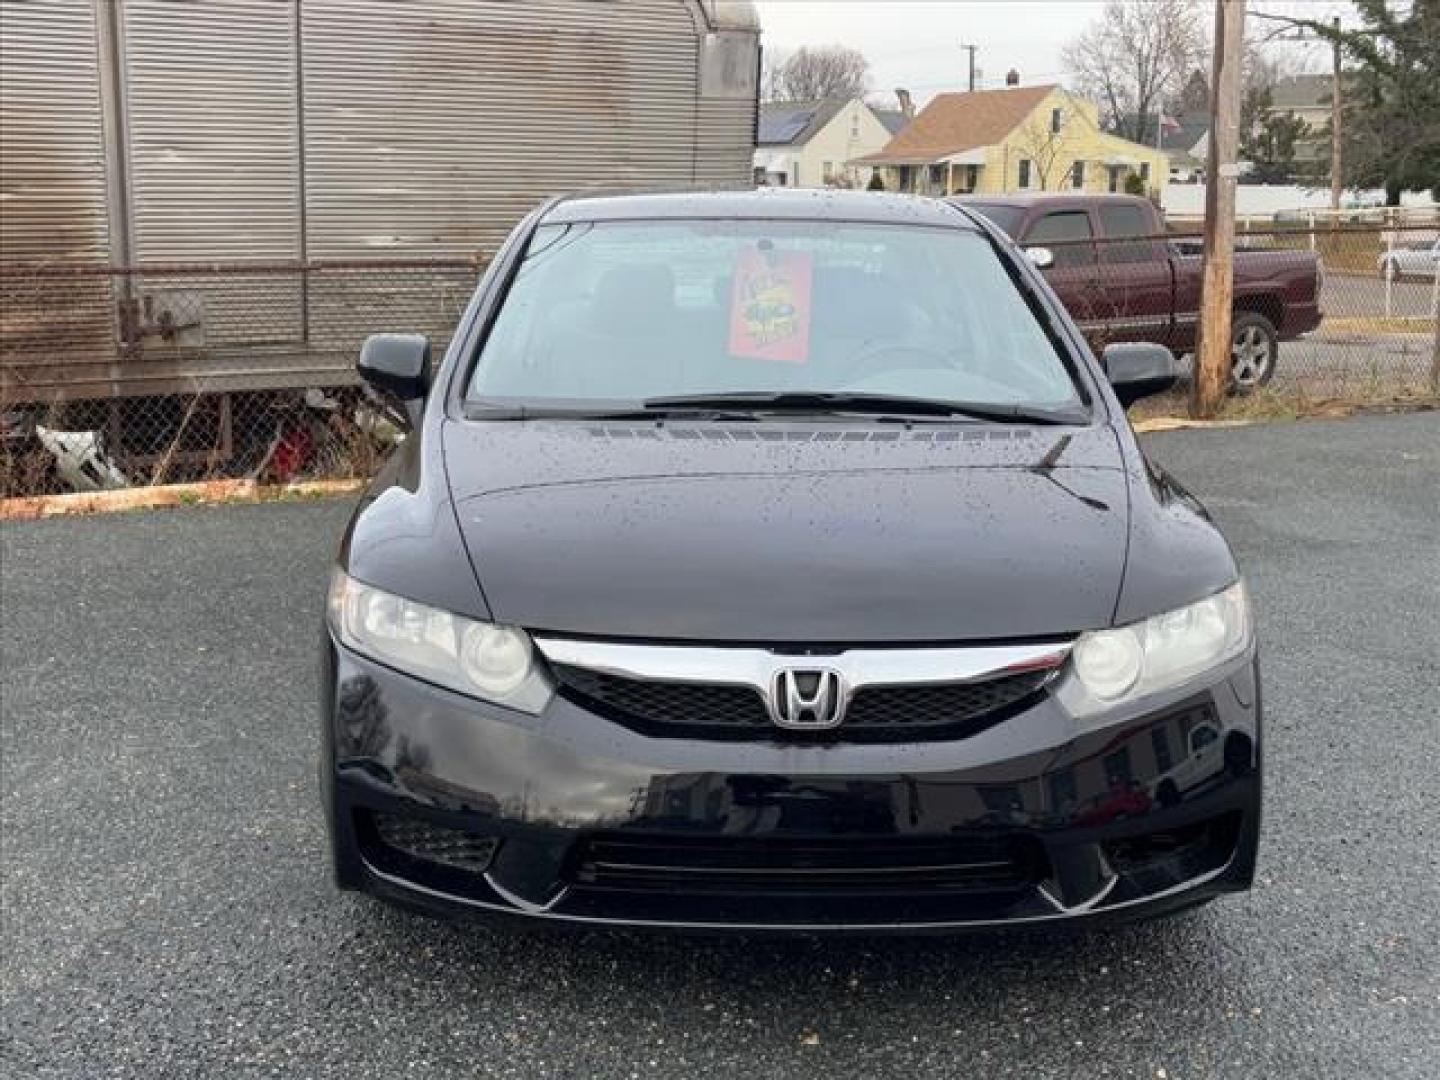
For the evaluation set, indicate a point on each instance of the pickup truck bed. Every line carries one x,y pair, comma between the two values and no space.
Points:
1123,279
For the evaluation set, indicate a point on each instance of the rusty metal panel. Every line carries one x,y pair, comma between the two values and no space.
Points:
52,167
292,130
52,191
432,127
212,106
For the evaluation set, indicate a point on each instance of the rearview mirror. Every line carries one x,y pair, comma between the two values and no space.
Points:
1042,257
398,364
1139,369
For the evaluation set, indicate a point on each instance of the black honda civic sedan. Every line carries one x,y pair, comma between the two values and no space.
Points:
782,561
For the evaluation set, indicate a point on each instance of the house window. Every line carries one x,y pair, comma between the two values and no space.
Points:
759,176
1024,172
854,125
1002,800
1117,768
970,178
795,173
1145,173
1160,742
1063,793
828,172
1077,175
1056,117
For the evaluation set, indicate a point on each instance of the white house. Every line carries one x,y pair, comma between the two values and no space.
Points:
811,143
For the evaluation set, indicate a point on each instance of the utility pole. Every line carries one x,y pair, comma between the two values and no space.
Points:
971,50
1213,352
1336,173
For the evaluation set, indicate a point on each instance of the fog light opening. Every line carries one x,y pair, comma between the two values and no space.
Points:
419,839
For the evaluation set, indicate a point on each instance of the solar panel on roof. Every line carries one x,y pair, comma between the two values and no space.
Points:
783,127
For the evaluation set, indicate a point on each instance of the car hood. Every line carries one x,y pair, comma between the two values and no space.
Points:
817,533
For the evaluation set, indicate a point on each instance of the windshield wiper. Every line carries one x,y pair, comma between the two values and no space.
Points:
475,411
866,404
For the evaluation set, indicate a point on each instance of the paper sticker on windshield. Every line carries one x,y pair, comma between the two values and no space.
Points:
770,306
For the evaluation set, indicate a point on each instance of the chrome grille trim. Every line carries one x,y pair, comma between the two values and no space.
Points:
759,668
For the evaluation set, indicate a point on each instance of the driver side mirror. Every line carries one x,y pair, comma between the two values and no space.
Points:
396,364
1139,369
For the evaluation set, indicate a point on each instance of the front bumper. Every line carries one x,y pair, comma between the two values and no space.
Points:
571,818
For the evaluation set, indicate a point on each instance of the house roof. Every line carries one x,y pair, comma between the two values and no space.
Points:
893,119
1192,128
1301,92
955,122
794,123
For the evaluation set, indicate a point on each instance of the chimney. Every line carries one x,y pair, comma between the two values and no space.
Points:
1012,78
907,106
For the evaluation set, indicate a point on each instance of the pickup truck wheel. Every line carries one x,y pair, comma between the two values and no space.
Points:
1254,349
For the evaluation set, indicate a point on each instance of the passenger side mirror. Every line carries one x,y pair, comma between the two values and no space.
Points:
1139,369
397,364
1042,257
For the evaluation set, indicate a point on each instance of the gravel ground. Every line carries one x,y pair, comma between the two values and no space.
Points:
167,913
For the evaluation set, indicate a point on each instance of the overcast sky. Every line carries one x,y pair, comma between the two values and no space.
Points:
917,44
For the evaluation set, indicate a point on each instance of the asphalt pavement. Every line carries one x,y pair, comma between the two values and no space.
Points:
167,910
1363,295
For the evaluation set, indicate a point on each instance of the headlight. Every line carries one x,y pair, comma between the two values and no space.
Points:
1110,666
484,660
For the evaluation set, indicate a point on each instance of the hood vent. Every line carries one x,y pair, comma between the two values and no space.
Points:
713,433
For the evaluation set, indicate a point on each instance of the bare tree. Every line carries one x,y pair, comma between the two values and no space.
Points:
812,74
1138,53
1051,149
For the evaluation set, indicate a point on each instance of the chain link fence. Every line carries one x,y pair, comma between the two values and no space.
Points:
1338,311
132,376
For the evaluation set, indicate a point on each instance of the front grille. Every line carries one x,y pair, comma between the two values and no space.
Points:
697,710
672,704
943,704
640,861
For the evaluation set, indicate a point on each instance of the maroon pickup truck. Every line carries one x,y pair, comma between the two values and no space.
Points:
1122,279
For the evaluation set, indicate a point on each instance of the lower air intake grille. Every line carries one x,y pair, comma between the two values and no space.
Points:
746,864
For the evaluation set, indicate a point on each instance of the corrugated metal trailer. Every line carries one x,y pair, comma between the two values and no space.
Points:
289,134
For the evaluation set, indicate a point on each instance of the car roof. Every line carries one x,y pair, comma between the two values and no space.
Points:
1045,199
780,204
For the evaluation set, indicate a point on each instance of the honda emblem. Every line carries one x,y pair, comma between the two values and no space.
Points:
807,699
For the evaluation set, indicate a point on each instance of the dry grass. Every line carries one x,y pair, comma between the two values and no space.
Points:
209,492
1374,324
1271,405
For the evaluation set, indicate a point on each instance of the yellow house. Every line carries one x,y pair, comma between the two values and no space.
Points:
1033,138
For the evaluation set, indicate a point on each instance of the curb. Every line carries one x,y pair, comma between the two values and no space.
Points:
169,495
1177,423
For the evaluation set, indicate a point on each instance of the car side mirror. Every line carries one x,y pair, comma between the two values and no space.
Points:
1042,257
397,364
1138,369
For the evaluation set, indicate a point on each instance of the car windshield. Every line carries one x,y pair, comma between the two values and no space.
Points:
626,312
